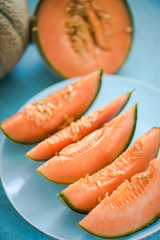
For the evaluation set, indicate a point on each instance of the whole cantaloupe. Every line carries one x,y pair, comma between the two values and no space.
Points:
14,33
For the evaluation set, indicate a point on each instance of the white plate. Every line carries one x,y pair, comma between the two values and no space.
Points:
34,197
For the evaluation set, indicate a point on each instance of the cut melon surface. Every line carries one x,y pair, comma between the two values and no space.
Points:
131,207
40,119
93,152
85,194
76,37
77,130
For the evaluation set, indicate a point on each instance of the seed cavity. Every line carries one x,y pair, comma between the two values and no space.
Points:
66,122
99,199
115,173
63,158
39,112
51,106
144,177
134,186
130,187
80,26
66,97
70,88
98,183
87,178
71,151
72,95
140,181
137,150
93,116
50,140
106,196
85,122
62,134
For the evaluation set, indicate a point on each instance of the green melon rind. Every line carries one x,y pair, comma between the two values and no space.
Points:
133,130
42,53
94,98
159,143
60,183
34,159
122,235
39,160
67,203
127,100
62,196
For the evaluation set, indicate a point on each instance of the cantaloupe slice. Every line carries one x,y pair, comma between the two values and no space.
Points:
77,130
76,37
83,195
42,118
130,208
93,152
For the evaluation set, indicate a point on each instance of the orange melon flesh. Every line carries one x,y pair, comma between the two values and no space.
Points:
93,152
131,207
64,106
83,195
77,130
109,49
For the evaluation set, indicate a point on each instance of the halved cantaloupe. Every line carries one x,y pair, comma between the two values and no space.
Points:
77,130
42,118
76,37
130,208
93,152
83,195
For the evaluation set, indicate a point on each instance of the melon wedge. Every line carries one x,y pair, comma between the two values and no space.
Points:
77,130
83,195
130,208
93,152
40,119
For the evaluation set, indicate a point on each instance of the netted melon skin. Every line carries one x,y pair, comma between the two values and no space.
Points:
14,32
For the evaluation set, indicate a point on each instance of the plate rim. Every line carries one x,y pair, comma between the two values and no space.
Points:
61,84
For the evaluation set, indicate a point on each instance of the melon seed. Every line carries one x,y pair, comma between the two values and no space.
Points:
78,19
130,187
99,199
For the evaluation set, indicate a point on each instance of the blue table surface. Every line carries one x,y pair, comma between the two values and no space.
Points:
31,76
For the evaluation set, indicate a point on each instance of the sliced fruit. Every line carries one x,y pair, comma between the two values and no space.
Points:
77,130
130,208
83,195
76,37
93,152
42,118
